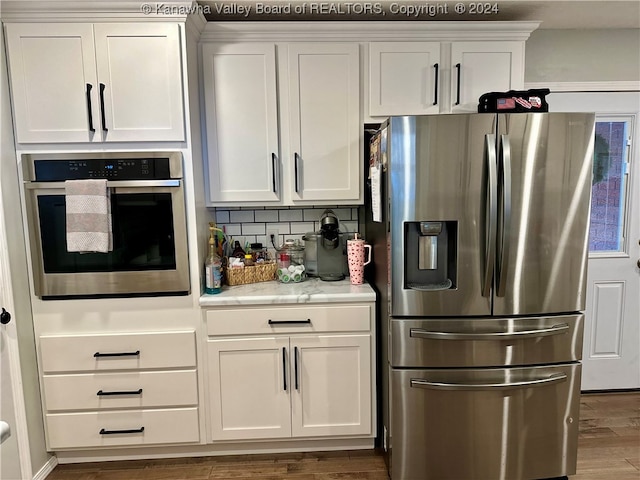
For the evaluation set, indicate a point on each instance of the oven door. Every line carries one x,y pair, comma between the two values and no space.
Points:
149,242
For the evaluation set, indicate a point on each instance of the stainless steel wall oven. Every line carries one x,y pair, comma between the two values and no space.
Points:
146,196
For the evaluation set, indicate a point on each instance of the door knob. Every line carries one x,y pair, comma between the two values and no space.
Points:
5,317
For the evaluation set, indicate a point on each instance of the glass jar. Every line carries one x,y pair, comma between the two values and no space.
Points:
290,259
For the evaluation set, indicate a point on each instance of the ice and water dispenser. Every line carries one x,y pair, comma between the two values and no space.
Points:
431,249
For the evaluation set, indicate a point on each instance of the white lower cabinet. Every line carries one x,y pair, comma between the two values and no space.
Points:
119,428
310,377
117,389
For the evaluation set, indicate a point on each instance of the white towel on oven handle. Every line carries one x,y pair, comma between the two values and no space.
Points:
88,216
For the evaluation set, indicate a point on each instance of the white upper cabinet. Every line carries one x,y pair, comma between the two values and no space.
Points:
283,123
481,67
324,93
96,82
242,122
53,82
404,78
417,78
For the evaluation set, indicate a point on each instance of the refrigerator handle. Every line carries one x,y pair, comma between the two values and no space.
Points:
505,176
538,382
558,329
491,214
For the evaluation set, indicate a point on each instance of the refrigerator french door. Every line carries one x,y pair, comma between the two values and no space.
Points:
485,221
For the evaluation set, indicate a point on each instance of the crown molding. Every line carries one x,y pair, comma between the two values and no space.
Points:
441,31
613,86
92,10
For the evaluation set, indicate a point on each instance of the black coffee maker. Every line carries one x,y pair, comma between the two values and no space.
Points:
326,250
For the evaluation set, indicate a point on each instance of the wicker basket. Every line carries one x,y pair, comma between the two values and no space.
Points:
258,273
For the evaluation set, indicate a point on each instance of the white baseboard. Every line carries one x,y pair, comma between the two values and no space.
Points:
46,469
225,448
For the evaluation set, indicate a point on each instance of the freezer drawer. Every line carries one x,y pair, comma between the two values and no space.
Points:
479,424
486,342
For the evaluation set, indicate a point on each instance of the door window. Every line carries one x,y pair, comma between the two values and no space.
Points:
610,185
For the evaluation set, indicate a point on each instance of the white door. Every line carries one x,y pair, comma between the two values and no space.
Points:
404,78
9,453
249,388
241,105
331,376
611,354
324,103
53,79
140,75
481,67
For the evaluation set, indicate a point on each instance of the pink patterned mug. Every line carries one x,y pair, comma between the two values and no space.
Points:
356,259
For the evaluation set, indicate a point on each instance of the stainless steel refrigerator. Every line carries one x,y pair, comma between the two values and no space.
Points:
480,264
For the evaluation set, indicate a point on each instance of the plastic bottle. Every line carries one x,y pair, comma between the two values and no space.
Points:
213,266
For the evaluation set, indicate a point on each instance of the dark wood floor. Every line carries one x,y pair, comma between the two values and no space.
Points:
609,449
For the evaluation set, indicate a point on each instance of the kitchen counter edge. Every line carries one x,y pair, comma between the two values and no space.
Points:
273,293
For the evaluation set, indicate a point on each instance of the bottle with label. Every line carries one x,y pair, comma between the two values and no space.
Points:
238,251
213,265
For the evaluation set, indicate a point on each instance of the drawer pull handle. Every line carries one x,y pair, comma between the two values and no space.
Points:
116,432
131,392
118,354
290,322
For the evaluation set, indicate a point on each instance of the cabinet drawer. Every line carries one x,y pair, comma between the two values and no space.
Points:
96,391
135,427
243,321
76,353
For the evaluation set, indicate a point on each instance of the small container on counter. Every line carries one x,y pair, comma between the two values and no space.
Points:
290,259
259,253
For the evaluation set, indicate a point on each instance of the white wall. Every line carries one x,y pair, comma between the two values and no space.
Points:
19,280
601,55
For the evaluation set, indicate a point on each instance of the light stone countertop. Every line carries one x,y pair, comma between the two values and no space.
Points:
313,290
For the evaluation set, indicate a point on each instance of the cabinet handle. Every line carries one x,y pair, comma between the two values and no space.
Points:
115,432
289,322
89,110
295,364
296,171
273,170
458,68
118,354
284,367
436,68
102,117
131,392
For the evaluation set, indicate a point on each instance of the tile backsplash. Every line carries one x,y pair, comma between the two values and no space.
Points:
251,224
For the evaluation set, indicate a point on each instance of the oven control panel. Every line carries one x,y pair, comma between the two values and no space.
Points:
111,169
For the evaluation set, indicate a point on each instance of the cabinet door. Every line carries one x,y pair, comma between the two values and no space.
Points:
242,122
140,74
53,82
481,67
324,103
331,377
403,78
249,388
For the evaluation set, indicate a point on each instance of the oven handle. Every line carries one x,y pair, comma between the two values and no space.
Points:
539,382
111,184
541,332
